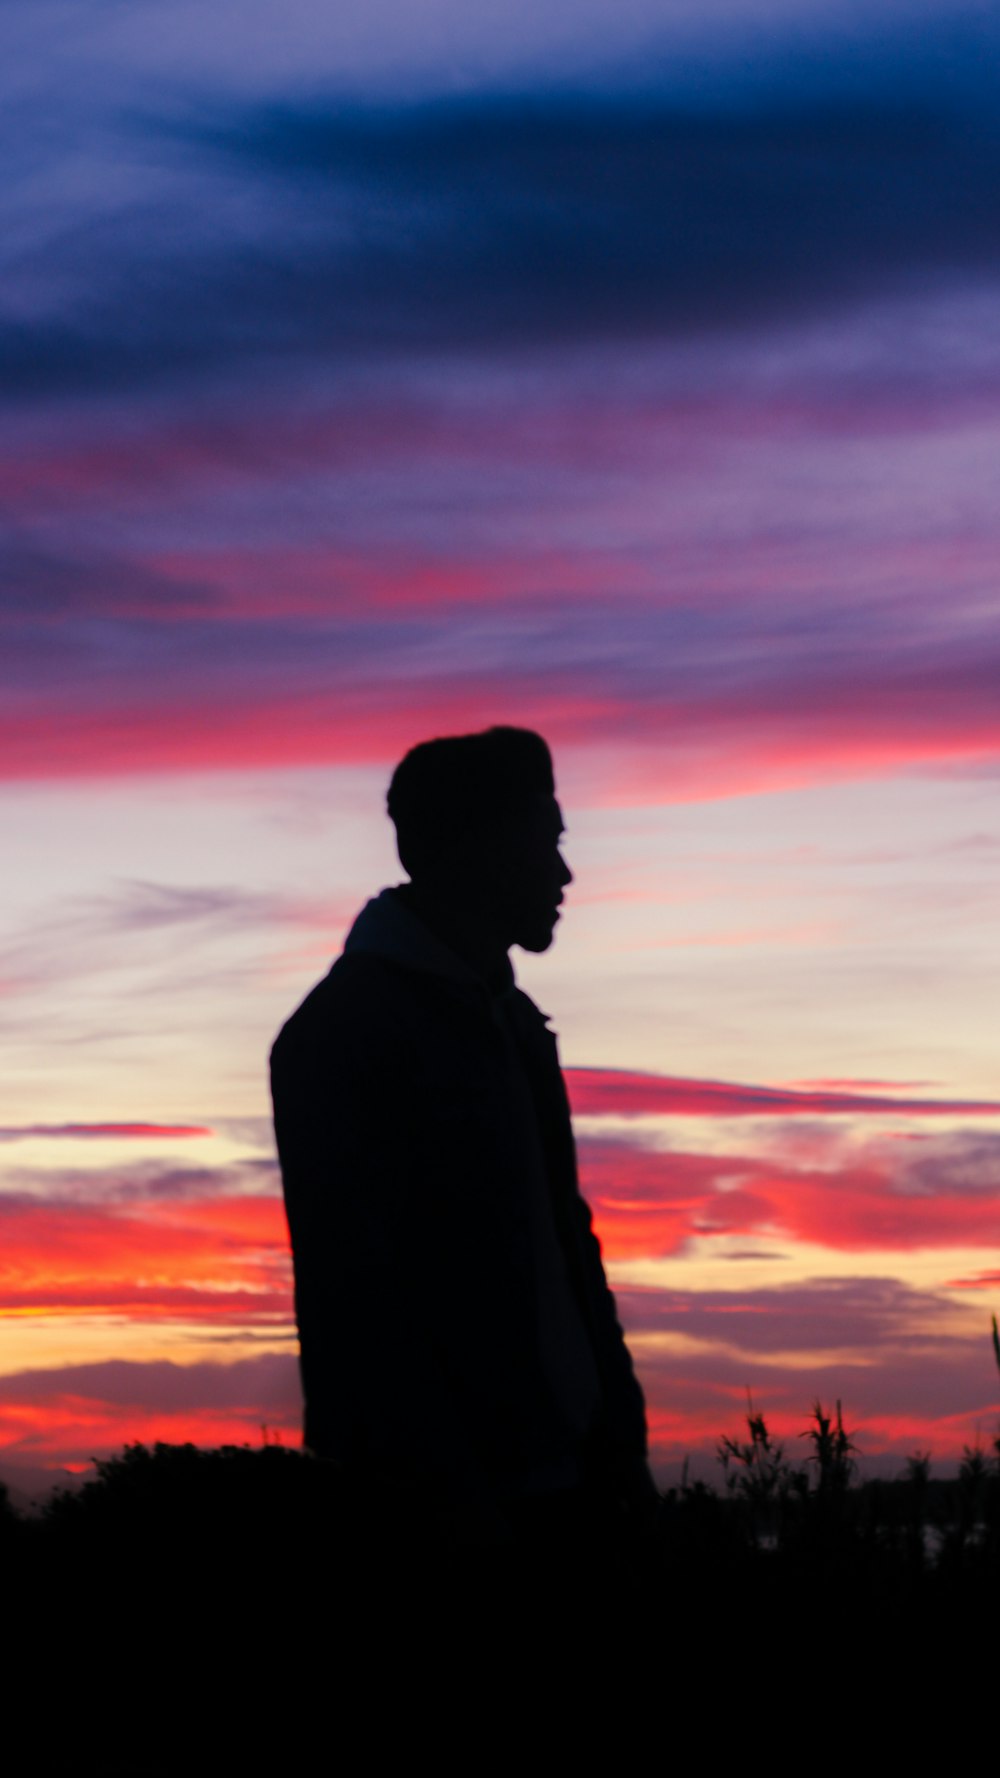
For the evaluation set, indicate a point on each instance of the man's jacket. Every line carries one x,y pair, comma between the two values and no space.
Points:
455,1323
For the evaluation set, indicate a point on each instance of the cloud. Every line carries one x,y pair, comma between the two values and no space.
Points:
109,1181
614,1092
913,1366
17,1132
45,583
863,1086
989,1280
650,1202
337,699
66,1414
246,1382
295,561
157,1242
821,1315
911,1370
145,926
209,1257
340,231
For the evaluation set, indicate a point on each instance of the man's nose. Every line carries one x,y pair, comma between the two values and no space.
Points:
565,874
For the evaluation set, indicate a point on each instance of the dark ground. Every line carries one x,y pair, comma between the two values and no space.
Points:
241,1610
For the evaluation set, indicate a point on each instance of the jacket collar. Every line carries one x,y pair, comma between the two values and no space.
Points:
389,929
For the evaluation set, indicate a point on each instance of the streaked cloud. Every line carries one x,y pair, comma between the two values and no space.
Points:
433,409
613,1092
19,1132
55,1413
874,1197
163,1256
912,1370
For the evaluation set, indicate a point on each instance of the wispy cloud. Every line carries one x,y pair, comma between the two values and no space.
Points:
136,926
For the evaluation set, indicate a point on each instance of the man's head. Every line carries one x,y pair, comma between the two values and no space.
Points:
477,824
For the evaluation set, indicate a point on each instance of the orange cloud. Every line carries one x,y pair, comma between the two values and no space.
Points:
226,1256
15,1132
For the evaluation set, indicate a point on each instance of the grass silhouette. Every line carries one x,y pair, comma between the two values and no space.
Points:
212,1598
202,1606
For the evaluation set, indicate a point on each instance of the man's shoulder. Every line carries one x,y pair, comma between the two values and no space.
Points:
349,1003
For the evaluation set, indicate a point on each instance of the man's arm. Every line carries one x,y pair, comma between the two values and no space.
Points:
621,1443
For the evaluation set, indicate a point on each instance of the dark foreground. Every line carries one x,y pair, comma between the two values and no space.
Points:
237,1610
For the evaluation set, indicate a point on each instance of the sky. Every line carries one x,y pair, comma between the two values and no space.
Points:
630,371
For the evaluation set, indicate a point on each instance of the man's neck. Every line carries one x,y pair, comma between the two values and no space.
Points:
465,931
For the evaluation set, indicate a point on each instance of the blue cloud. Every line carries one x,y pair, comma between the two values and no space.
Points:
318,229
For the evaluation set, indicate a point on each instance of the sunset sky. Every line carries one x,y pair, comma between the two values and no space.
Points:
626,370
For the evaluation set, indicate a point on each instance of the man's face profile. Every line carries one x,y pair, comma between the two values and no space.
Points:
478,830
525,873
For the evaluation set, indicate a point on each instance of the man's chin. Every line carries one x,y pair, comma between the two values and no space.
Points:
536,939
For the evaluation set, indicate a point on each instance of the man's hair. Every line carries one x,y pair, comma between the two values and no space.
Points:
442,790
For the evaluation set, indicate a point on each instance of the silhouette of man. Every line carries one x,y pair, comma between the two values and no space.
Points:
456,1328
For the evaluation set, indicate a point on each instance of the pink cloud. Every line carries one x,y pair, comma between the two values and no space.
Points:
921,1377
280,582
858,1085
909,1372
188,1248
650,1203
644,744
366,723
979,1281
64,1416
613,1092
